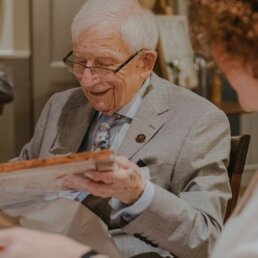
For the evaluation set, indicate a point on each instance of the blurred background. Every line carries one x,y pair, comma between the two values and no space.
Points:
35,36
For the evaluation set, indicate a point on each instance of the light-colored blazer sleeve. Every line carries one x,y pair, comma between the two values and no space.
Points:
32,149
61,125
187,218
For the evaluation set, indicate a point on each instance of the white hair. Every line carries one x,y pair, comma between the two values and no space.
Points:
138,25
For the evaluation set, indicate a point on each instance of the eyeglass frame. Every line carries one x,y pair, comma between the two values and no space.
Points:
116,70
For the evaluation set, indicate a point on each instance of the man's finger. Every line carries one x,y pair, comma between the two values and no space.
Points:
106,177
123,162
77,182
6,235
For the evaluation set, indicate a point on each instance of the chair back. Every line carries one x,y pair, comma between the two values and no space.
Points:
238,153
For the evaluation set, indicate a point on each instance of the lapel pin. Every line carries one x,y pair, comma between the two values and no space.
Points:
140,138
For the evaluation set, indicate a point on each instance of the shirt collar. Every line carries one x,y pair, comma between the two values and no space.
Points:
130,109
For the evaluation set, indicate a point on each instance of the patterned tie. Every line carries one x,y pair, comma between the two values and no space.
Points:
96,204
102,137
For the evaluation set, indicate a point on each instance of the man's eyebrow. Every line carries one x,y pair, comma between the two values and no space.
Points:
109,58
78,55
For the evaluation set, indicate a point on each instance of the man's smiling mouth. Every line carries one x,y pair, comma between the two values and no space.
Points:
101,93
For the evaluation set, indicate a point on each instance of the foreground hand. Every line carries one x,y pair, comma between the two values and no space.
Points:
124,181
24,243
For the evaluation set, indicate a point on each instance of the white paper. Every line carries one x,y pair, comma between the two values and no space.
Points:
27,186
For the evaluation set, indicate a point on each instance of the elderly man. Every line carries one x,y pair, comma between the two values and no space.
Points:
169,188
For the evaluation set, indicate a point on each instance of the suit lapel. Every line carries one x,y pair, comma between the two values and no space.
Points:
74,129
151,116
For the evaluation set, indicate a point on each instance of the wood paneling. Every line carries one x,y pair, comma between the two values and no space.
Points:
51,42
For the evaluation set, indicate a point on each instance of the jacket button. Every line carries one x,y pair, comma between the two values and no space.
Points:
140,138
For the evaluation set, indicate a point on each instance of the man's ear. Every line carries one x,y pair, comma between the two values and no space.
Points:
148,59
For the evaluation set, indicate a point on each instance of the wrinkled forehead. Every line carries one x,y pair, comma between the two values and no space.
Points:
100,40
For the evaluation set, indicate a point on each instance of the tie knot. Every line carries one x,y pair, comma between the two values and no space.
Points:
102,137
109,120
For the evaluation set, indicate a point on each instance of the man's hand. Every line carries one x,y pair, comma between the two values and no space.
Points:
24,243
124,182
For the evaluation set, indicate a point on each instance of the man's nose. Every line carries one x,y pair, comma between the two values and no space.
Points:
89,78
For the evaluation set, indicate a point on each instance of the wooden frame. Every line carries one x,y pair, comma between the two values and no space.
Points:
175,51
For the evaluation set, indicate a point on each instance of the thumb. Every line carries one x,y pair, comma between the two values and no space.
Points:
8,235
5,240
123,162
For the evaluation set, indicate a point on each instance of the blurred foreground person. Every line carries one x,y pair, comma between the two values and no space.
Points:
227,30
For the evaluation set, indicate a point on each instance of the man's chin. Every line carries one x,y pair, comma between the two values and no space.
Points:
104,108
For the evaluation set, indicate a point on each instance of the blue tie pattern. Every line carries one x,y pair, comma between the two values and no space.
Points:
102,137
101,141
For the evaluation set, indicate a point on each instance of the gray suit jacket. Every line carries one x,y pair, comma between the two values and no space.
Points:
186,150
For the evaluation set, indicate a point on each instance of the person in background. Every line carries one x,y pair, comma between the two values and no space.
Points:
227,31
169,189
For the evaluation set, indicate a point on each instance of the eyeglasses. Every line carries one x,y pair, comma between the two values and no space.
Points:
78,68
